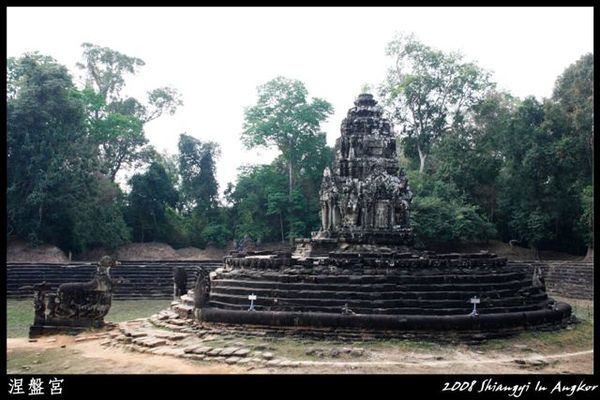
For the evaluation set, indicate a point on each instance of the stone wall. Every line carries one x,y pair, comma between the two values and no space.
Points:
144,279
572,279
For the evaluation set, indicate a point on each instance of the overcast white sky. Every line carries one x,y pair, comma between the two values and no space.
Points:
216,57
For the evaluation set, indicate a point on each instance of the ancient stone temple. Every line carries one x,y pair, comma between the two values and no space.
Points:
366,196
359,270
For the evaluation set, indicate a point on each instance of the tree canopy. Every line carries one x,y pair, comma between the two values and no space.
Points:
482,164
53,184
429,92
115,121
283,117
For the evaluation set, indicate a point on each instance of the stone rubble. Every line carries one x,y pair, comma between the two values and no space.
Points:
150,336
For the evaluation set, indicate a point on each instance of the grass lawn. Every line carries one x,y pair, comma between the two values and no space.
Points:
19,313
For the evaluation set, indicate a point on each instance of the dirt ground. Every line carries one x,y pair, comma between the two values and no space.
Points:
19,251
568,351
62,354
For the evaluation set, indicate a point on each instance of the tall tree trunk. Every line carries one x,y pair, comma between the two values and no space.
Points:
422,158
281,226
155,226
291,183
290,169
590,254
536,253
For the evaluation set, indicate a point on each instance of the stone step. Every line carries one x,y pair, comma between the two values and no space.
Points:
386,311
384,270
374,284
183,311
364,294
381,277
329,301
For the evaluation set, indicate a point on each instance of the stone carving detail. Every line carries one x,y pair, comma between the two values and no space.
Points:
366,190
538,278
74,305
201,288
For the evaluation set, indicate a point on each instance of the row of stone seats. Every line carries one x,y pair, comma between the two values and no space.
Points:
143,279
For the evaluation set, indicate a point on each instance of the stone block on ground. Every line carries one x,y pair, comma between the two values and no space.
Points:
150,341
228,351
214,352
202,350
242,352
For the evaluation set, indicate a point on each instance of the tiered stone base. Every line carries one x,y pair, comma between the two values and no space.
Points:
360,241
382,291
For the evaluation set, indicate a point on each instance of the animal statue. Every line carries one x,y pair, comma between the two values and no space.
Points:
75,305
90,299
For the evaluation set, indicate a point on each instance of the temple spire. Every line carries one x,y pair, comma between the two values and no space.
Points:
365,193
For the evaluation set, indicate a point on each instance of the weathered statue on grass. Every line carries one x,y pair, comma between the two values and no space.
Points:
74,306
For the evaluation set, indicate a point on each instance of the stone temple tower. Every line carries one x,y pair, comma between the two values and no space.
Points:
365,197
359,270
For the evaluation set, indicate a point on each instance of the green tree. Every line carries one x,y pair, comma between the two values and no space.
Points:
54,193
470,156
531,200
99,221
283,117
206,222
440,215
277,204
151,194
586,221
197,167
430,92
115,121
570,116
259,202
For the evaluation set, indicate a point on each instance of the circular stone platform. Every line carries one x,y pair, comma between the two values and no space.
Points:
407,292
360,270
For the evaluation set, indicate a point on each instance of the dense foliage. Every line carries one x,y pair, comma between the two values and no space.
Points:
481,163
514,169
54,191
